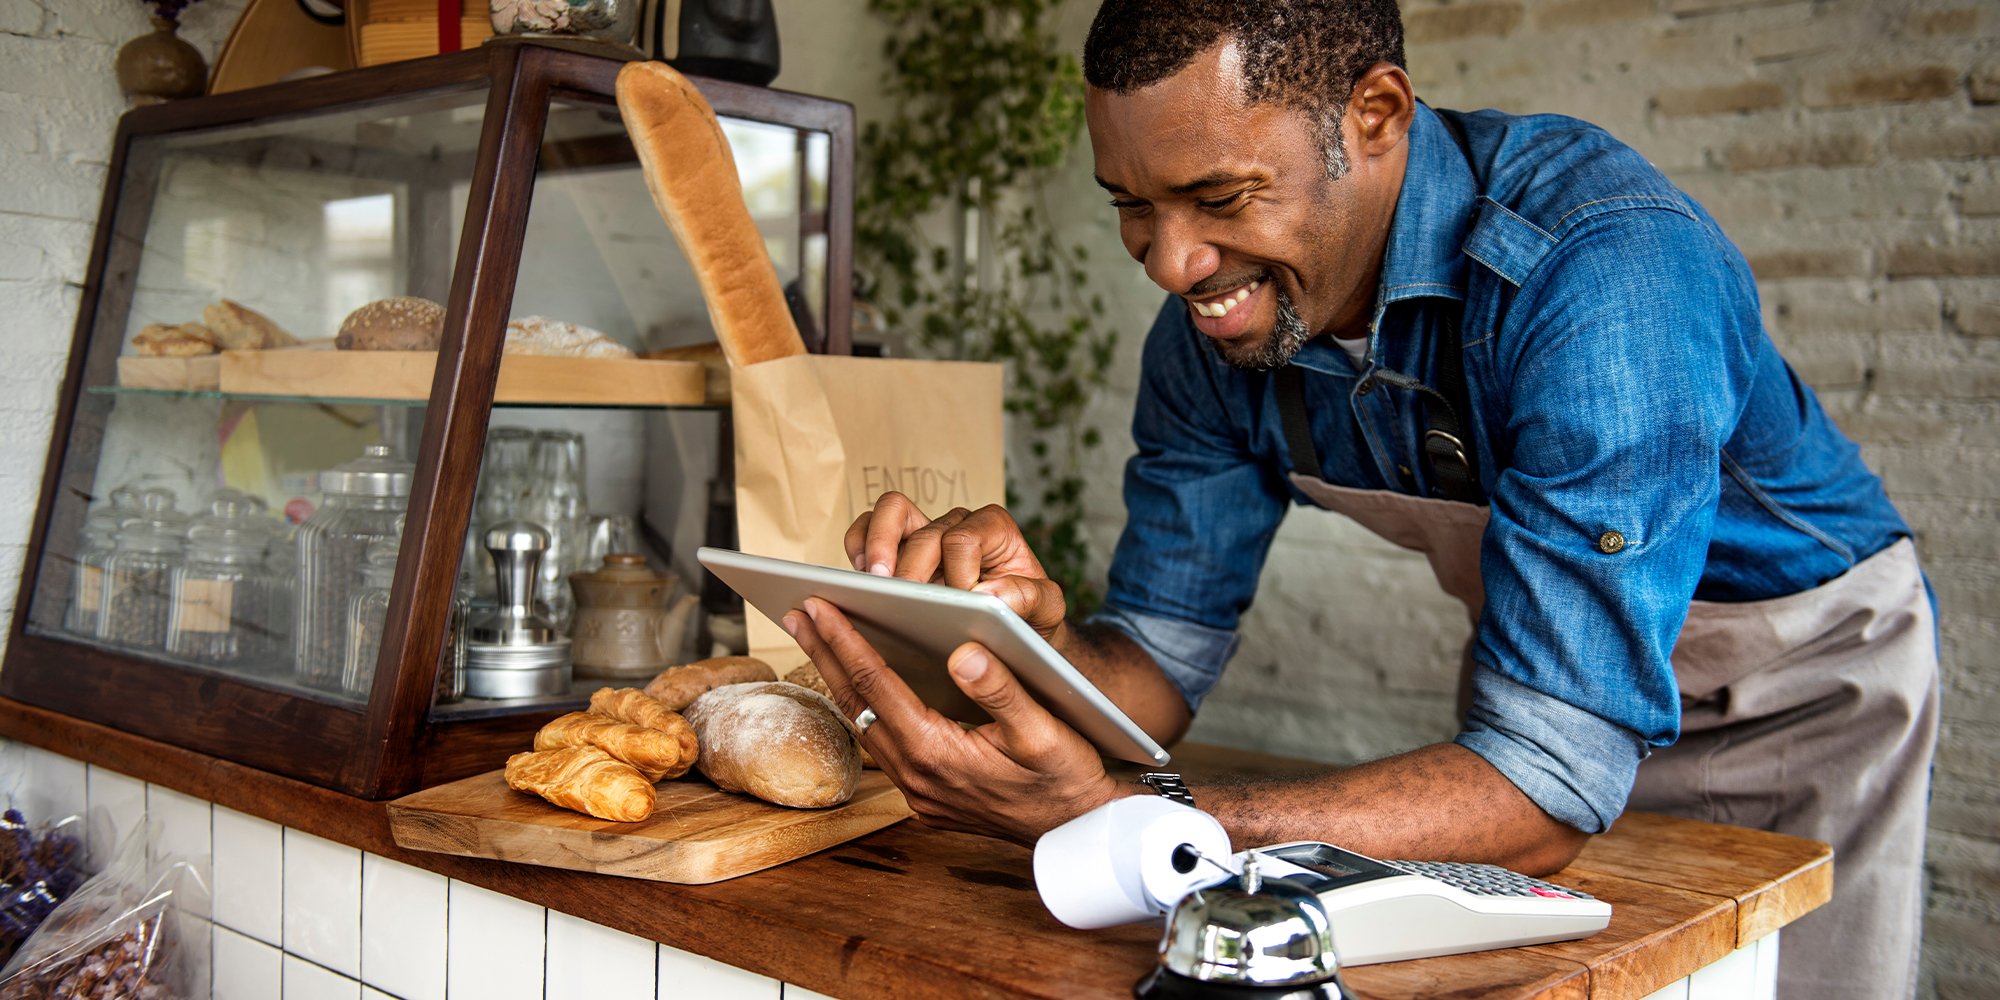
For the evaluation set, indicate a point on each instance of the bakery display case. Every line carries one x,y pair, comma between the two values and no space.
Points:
366,366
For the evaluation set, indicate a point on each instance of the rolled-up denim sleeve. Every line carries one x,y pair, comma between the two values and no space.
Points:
1577,767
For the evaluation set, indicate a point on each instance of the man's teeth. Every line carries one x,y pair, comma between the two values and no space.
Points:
1220,307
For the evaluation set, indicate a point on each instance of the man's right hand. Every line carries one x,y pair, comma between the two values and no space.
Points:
981,550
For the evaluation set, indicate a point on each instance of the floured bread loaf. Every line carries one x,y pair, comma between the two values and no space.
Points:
693,179
403,323
777,741
539,335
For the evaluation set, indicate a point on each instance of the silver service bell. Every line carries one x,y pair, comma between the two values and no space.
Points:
1247,938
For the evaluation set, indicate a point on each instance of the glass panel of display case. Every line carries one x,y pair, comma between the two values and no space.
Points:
599,267
234,529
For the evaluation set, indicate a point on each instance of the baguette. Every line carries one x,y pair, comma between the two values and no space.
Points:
692,177
585,779
678,687
777,741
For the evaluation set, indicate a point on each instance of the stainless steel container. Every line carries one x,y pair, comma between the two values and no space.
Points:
512,651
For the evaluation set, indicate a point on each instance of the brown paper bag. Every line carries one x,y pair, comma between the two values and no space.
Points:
819,437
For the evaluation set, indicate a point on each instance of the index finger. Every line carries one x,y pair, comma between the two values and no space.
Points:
875,538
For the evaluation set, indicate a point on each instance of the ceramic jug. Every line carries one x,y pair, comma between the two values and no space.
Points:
629,624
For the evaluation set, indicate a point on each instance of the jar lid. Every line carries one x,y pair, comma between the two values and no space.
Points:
374,474
231,531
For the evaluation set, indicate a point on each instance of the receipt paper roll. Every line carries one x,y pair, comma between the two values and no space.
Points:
1116,864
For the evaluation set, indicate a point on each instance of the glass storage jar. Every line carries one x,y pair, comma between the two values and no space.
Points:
220,610
506,473
138,576
556,501
100,537
362,501
368,614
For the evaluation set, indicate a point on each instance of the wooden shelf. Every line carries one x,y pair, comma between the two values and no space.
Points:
405,376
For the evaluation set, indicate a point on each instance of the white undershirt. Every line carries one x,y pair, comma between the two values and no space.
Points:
1357,349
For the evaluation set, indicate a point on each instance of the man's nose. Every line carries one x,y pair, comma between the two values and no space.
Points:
1178,257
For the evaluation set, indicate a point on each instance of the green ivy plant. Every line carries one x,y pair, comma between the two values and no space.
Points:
987,107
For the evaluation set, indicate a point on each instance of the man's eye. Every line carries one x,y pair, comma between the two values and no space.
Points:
1126,204
1223,202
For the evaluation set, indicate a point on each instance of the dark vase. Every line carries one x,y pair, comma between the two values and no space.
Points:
161,66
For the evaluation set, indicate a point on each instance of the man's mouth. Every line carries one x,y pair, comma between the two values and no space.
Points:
1216,308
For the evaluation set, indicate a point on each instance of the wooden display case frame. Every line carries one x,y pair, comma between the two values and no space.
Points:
395,744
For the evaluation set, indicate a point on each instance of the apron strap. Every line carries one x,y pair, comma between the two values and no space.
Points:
1298,430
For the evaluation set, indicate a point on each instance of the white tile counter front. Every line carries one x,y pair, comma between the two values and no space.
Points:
299,917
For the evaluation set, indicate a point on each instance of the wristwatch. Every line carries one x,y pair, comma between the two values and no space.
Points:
1168,785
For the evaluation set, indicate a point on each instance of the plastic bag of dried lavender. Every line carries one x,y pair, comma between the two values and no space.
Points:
133,931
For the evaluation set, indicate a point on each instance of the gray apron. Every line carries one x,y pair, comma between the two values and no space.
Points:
1813,714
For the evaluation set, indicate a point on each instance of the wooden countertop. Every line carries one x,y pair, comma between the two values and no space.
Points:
910,910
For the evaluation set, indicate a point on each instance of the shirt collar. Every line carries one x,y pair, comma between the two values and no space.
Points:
1434,211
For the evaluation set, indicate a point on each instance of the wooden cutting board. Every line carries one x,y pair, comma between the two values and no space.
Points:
697,833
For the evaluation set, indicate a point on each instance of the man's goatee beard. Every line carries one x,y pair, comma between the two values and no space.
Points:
1288,334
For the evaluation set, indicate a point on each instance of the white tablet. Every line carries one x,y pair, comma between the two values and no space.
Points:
915,626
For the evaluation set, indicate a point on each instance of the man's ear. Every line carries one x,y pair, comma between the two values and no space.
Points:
1381,107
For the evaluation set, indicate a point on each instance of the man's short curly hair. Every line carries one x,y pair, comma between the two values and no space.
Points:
1305,54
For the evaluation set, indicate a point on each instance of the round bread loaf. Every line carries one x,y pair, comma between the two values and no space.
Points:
778,741
404,323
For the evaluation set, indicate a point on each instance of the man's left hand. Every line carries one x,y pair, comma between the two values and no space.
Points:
1015,777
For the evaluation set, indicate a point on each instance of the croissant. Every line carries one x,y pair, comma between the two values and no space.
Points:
656,754
585,779
636,707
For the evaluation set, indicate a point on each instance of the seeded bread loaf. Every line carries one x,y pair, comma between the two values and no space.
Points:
693,179
404,323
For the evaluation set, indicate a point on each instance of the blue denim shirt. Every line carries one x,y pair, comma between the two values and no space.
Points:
1620,379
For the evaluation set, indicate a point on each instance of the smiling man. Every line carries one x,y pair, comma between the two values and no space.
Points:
1511,344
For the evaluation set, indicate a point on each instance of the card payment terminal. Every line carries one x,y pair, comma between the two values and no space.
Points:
1387,911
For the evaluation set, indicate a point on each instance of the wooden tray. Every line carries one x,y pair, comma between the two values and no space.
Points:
196,374
323,372
697,833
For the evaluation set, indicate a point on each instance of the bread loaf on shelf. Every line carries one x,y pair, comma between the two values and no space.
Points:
678,687
403,323
585,779
655,754
689,170
174,340
777,741
238,327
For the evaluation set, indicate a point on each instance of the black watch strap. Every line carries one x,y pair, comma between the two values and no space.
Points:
1169,785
